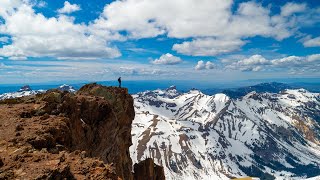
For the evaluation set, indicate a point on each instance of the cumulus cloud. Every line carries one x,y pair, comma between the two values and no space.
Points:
291,8
313,58
208,46
253,63
201,65
225,32
69,8
315,42
34,35
259,63
148,20
167,59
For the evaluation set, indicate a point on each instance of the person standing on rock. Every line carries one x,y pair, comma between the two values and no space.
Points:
119,80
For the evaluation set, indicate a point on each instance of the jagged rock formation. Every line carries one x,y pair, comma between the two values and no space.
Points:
57,135
197,136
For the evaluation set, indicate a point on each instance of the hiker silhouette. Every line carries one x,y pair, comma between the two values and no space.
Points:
119,80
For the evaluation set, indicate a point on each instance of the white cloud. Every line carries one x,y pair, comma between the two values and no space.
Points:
288,61
41,4
34,35
208,46
253,63
69,8
291,8
18,58
210,65
91,70
167,59
225,32
259,63
201,65
315,42
187,18
137,71
313,58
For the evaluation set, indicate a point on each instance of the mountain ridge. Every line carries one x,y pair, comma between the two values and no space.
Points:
197,136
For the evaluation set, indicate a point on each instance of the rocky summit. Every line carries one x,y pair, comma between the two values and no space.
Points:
83,135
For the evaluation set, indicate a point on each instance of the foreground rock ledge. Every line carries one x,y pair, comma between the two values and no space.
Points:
59,135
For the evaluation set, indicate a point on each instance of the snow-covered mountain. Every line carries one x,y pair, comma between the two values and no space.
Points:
66,87
27,91
197,136
23,91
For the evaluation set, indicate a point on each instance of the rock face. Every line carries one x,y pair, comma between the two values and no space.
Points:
148,170
64,135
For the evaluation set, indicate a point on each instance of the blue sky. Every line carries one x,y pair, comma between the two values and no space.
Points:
208,40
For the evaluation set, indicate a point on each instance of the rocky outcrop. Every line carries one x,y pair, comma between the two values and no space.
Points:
64,135
148,170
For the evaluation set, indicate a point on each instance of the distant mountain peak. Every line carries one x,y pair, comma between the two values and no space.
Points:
25,88
271,87
66,87
172,87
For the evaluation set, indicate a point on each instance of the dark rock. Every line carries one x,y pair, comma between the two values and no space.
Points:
19,127
7,175
1,162
45,116
58,174
25,115
148,170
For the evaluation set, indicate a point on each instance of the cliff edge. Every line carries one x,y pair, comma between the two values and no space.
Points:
59,135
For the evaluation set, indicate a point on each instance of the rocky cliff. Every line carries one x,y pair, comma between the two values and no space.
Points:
58,134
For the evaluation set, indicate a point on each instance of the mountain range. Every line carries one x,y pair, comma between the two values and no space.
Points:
198,136
270,131
27,91
272,87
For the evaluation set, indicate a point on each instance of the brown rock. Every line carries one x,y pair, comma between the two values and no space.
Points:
45,116
148,170
76,130
1,162
58,173
19,127
7,174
